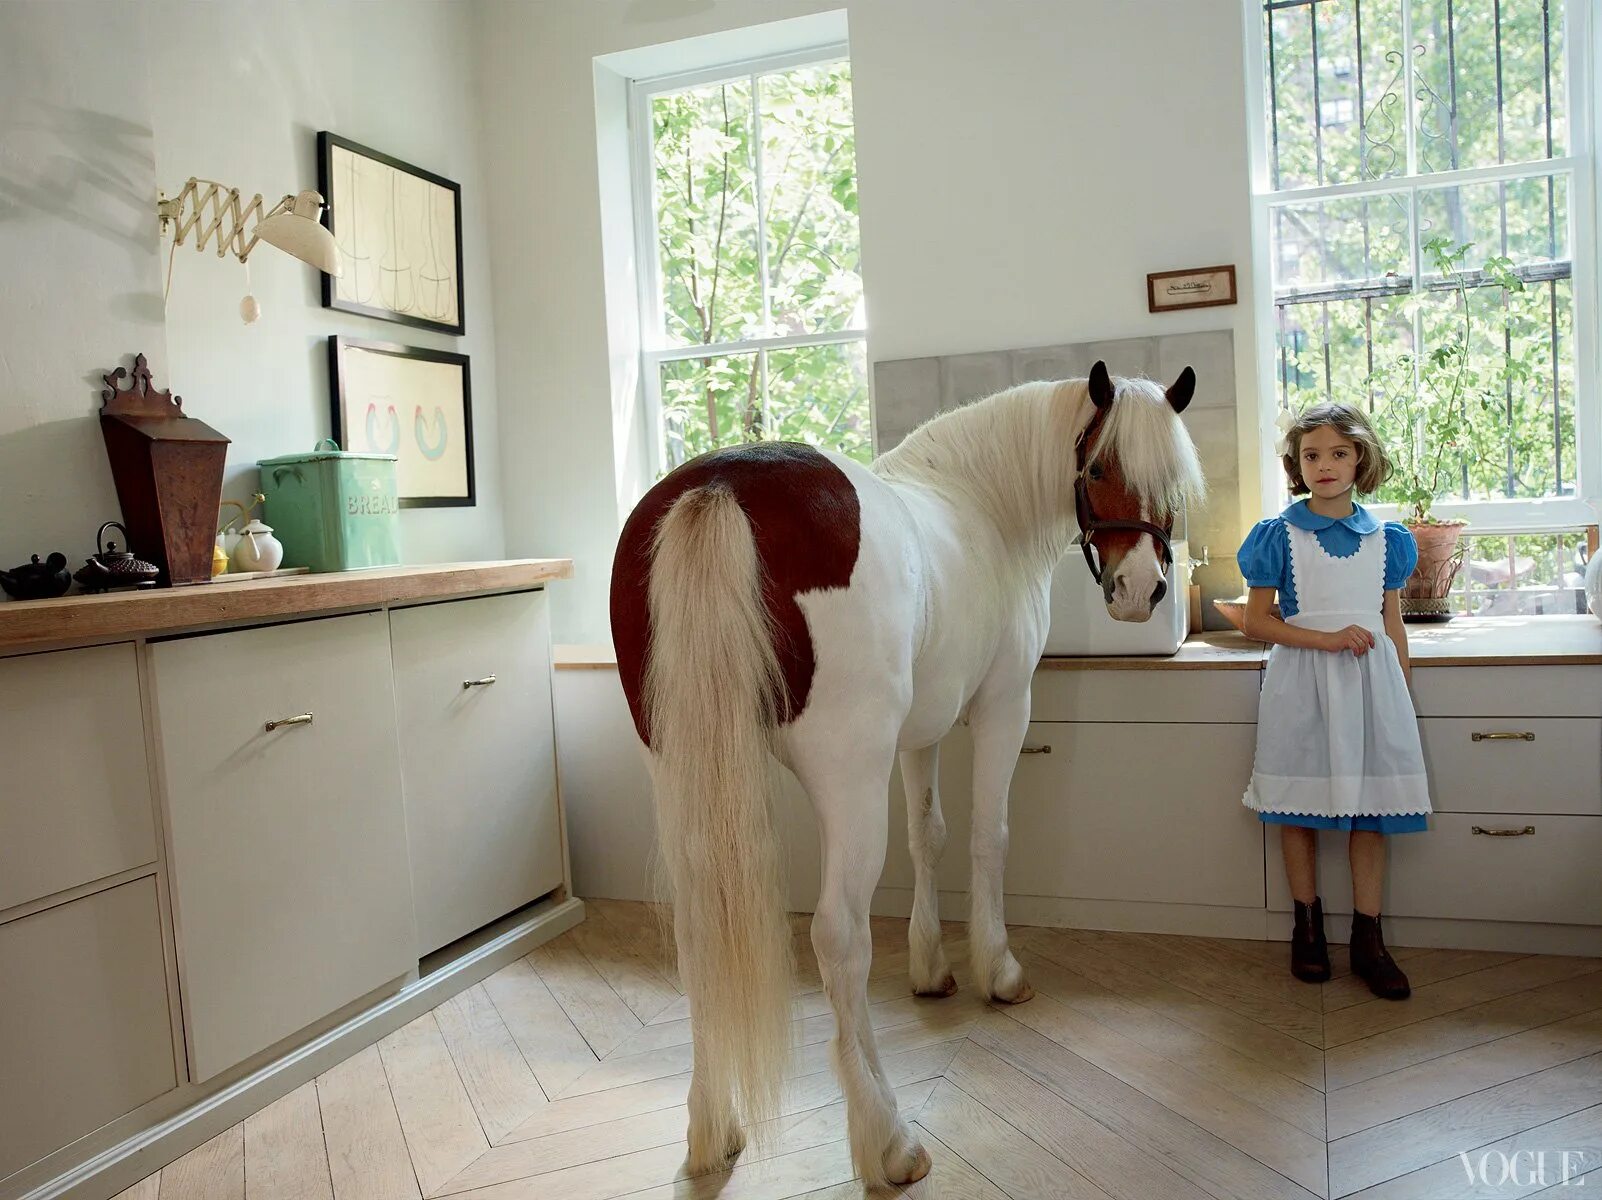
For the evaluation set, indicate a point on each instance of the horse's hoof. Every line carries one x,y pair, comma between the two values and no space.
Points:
911,1165
1022,995
946,987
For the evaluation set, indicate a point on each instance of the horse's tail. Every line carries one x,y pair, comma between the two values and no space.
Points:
711,688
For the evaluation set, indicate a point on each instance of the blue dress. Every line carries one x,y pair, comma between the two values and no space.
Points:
1264,560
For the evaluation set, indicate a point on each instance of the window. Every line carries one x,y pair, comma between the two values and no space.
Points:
1391,133
752,323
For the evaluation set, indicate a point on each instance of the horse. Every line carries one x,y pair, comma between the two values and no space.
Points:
777,601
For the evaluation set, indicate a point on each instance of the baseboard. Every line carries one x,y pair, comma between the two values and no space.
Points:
113,1159
1207,920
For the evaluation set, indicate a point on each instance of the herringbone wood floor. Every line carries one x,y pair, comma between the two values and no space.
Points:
1146,1068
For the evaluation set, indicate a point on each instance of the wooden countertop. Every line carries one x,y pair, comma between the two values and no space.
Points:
1461,642
30,624
1507,641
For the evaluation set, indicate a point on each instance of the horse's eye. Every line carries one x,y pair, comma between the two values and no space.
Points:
1095,472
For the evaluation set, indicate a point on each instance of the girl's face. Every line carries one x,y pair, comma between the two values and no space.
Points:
1328,462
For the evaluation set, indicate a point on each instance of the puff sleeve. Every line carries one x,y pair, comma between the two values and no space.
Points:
1262,555
1401,555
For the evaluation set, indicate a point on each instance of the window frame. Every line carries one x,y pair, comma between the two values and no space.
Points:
1582,63
654,347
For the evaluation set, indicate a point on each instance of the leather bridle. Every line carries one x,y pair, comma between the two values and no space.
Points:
1089,523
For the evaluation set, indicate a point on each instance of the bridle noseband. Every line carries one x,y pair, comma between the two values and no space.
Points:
1089,523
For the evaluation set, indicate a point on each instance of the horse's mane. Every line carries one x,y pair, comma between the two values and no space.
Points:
1013,454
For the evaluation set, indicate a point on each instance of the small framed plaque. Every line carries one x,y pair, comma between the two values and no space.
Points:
1199,287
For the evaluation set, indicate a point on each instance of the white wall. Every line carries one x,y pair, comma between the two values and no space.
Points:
101,105
1022,166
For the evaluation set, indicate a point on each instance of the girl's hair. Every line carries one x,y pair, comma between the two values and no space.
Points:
1373,464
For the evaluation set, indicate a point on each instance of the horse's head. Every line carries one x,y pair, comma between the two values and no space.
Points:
1135,468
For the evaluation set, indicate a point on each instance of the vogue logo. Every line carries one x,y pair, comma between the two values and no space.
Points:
1525,1168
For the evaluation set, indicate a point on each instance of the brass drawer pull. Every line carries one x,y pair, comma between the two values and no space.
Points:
303,719
1527,830
1502,737
473,683
1046,749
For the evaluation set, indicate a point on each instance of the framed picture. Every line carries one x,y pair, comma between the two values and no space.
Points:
1199,287
399,233
413,403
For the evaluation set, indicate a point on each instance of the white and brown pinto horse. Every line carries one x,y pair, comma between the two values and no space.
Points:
777,599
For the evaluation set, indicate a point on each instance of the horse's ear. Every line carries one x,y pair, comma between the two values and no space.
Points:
1184,388
1101,388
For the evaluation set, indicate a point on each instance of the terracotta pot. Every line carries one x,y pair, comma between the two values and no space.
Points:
1439,559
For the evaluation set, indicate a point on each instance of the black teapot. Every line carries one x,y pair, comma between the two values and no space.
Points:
113,568
37,580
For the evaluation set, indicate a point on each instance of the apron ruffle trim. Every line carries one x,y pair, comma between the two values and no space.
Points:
1340,796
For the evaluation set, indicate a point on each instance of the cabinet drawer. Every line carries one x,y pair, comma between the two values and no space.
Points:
1146,812
1205,697
1514,765
85,1034
75,806
1549,875
1553,691
290,886
478,762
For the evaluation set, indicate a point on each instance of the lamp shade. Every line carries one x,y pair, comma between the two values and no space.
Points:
297,231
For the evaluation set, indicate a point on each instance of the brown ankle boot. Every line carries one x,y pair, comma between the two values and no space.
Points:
1309,952
1372,963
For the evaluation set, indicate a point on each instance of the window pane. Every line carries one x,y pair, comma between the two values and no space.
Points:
1507,423
705,196
819,395
1334,349
1526,220
1358,241
1527,574
708,403
1490,81
1344,121
809,184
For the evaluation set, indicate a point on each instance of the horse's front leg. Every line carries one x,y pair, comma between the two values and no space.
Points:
926,838
998,728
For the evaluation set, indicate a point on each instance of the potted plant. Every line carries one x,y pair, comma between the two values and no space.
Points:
1428,410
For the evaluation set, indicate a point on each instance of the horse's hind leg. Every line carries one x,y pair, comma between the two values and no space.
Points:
926,838
851,797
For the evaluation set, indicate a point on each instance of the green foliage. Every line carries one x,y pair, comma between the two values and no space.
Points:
1436,413
742,263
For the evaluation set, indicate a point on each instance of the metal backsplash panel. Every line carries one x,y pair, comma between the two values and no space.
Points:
908,391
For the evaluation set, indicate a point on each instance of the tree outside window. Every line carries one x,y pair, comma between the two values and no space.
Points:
753,316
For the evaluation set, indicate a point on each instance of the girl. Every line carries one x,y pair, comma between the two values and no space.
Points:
1337,740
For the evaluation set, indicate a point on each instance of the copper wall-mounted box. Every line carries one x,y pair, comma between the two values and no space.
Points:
168,469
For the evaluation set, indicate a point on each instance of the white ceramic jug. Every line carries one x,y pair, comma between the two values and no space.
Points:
258,549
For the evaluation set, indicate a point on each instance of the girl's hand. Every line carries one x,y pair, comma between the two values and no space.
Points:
1354,638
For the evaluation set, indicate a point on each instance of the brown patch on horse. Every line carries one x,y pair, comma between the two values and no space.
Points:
1112,499
807,525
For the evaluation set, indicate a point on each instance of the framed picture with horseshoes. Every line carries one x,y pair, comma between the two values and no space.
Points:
773,599
414,403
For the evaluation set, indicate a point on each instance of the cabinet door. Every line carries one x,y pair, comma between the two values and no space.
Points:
75,805
288,845
85,1034
1470,867
478,759
1124,811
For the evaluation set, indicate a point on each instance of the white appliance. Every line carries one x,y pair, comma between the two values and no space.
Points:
1079,620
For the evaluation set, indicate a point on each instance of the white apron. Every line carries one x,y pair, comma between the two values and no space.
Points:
1336,734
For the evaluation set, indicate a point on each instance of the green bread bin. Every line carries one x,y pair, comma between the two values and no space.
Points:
333,510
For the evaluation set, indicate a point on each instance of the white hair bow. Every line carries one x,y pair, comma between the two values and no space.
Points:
1283,424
